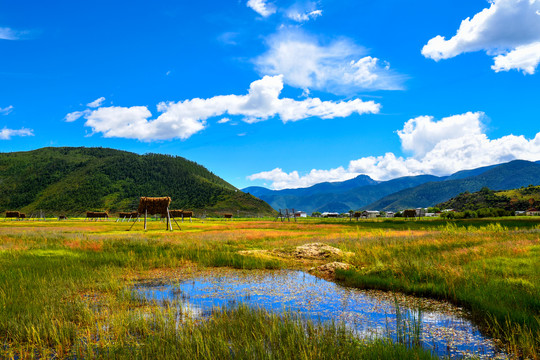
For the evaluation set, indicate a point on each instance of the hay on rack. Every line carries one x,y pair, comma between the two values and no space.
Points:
154,205
188,214
176,213
22,216
227,216
409,213
96,214
13,214
62,217
127,215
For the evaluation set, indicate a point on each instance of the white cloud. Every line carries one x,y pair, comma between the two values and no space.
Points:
508,29
224,120
420,135
96,103
303,16
262,7
76,115
6,134
6,110
9,34
433,153
184,118
283,180
339,67
526,58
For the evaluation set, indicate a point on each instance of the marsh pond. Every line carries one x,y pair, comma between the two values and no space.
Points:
438,326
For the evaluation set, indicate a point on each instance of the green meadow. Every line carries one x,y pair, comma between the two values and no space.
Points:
65,286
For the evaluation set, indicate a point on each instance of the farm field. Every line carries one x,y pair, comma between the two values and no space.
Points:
66,287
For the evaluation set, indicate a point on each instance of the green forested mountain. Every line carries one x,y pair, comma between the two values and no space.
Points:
516,199
73,180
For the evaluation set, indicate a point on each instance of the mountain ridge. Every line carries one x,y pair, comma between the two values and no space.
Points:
396,194
511,175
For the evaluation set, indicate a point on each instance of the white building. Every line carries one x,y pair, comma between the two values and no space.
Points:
327,214
370,214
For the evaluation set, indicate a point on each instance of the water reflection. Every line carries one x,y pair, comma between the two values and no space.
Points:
438,326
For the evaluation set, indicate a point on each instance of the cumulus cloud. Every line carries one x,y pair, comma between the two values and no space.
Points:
339,67
433,152
262,7
282,180
185,118
97,103
526,58
6,110
508,30
421,134
6,134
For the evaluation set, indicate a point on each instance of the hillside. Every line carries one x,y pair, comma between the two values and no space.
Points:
338,196
516,199
73,180
511,175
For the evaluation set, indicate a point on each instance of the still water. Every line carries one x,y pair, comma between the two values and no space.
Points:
443,328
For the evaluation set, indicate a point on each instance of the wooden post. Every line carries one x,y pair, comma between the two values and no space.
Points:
145,213
169,224
179,228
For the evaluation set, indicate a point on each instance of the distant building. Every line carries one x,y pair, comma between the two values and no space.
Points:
520,213
370,214
390,214
420,212
301,214
327,214
533,212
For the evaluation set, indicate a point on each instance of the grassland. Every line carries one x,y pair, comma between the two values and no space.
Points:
65,286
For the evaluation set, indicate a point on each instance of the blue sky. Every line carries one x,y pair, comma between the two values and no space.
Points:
277,93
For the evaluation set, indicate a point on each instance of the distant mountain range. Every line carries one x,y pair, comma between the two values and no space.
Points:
401,193
70,181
